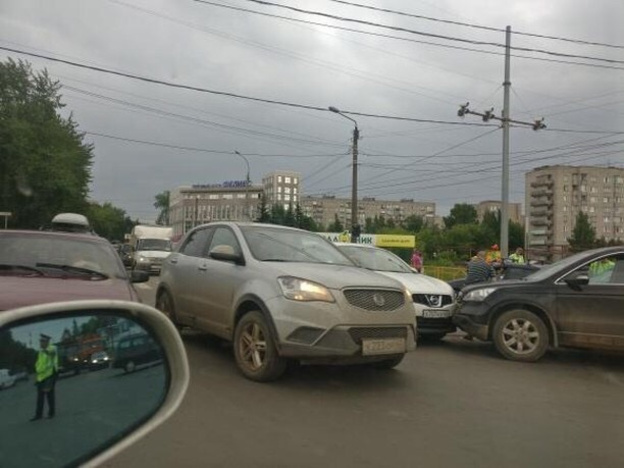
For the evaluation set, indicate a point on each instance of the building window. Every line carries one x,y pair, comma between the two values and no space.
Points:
286,189
241,195
295,190
228,196
287,180
279,189
279,196
279,178
294,180
565,208
592,209
565,188
213,196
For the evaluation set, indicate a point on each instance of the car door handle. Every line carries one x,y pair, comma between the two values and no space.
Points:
173,260
202,267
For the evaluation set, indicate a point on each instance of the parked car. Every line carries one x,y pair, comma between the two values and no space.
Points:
6,379
135,350
282,294
45,266
576,302
434,300
511,271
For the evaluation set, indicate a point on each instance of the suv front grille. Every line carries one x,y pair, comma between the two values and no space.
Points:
432,300
376,300
358,333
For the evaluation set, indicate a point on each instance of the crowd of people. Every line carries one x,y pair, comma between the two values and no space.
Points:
485,265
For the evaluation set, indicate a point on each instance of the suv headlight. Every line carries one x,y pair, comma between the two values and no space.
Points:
299,289
478,295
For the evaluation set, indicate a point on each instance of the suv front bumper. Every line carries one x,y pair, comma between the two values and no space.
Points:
473,318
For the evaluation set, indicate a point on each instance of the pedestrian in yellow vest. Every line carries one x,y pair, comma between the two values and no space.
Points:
46,370
518,256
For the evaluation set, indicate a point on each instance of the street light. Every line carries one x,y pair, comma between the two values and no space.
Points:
355,228
246,186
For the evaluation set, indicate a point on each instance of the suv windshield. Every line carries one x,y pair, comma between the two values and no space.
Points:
285,245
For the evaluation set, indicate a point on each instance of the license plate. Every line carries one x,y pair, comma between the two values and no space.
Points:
436,313
383,346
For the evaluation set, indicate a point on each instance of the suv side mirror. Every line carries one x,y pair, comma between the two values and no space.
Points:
97,414
226,253
577,280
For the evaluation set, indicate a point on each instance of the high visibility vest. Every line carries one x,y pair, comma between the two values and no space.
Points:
517,258
47,363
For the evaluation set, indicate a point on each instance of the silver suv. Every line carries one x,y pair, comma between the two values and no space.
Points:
284,294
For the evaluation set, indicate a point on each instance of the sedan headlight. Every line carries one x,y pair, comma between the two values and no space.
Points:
299,289
478,295
143,259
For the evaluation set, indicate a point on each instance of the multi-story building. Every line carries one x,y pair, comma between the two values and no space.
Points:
197,204
326,209
494,206
282,187
556,194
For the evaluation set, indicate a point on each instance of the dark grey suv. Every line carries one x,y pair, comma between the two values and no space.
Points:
576,302
280,293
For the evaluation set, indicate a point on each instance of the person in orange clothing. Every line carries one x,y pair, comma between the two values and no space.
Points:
493,257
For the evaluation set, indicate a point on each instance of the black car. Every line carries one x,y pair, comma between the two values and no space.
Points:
511,271
576,302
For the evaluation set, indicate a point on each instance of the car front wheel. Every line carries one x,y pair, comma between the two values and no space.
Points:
255,351
164,303
520,335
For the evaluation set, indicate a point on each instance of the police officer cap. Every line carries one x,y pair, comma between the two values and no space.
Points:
43,336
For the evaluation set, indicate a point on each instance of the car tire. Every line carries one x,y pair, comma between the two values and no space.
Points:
255,351
390,363
164,303
520,335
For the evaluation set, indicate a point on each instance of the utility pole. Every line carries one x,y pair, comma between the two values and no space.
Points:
355,226
504,218
505,120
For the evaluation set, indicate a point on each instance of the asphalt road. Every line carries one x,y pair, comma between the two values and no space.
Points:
453,404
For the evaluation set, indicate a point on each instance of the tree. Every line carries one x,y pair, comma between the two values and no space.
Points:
263,215
36,140
583,235
289,217
336,226
414,223
461,213
109,221
162,204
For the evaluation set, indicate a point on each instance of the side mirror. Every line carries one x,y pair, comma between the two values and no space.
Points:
577,280
228,255
99,376
139,276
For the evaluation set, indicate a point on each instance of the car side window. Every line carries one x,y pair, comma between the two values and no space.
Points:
224,240
607,270
195,245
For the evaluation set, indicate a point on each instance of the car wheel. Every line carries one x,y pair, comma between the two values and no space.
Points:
520,335
255,351
389,363
164,303
130,367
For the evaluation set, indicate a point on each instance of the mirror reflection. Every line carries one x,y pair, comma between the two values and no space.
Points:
72,385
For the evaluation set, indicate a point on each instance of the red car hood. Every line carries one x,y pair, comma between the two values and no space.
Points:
21,291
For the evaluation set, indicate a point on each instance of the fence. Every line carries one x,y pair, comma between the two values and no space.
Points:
445,273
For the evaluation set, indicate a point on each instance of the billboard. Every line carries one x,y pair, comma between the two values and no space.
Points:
378,240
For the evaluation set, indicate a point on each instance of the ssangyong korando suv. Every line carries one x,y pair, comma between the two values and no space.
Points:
283,294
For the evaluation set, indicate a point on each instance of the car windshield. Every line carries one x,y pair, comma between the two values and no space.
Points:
155,244
289,245
57,256
375,259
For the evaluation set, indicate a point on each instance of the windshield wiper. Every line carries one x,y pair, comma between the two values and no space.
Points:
8,266
74,269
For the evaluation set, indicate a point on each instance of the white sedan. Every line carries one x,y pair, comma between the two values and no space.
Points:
434,299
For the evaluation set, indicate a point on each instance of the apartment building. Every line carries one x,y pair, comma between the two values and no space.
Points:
282,187
555,195
494,206
325,209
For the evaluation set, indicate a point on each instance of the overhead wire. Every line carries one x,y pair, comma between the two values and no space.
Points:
478,26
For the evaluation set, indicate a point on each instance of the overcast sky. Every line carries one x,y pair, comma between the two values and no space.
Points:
207,46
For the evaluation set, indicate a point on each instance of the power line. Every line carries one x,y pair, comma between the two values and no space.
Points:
477,26
408,39
205,150
422,33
